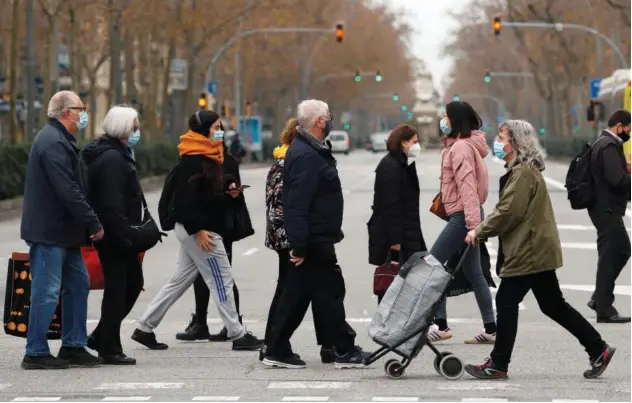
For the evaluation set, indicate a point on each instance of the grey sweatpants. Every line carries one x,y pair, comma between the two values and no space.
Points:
216,271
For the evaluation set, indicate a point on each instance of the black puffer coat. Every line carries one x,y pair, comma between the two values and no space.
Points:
395,219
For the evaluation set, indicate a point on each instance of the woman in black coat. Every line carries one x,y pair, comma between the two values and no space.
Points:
395,227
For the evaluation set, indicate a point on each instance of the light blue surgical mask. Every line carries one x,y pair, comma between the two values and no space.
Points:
444,125
218,135
133,139
499,149
83,120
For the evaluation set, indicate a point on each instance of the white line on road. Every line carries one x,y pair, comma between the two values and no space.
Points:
618,289
573,400
250,251
482,399
216,398
395,399
579,245
126,398
305,398
37,399
139,385
478,386
309,385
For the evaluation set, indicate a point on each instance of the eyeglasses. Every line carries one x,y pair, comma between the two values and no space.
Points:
77,108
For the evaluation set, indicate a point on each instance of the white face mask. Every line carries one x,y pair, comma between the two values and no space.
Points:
413,152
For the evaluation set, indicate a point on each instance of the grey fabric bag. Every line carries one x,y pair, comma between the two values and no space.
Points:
408,303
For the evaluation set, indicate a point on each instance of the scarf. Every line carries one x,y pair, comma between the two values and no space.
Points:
192,143
279,152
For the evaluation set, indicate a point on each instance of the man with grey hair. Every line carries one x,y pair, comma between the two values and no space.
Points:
313,207
56,221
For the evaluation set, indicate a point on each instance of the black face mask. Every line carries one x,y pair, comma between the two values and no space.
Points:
625,136
327,128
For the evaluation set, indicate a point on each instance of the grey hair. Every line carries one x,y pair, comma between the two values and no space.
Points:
119,121
525,144
309,111
61,102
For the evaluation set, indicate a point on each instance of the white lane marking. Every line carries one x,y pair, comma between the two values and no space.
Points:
216,398
395,399
250,251
139,385
126,398
359,320
37,399
575,227
309,385
305,398
482,399
478,386
618,289
579,245
573,400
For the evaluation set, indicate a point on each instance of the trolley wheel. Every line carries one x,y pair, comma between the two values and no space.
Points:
394,368
451,367
438,359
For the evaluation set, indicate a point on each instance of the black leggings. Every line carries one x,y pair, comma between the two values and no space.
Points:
203,295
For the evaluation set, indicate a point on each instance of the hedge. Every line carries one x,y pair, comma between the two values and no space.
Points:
157,158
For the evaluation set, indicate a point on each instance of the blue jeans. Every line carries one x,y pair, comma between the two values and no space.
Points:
52,267
449,242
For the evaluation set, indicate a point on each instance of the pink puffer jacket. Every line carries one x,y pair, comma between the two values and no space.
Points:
464,182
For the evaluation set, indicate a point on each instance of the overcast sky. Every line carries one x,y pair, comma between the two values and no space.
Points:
432,26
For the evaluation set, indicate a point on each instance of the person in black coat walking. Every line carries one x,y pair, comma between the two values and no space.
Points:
395,227
115,192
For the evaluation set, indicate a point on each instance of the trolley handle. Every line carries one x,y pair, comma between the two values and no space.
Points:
468,250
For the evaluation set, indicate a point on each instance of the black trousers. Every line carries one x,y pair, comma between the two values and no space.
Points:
203,295
284,268
547,292
613,247
123,282
318,280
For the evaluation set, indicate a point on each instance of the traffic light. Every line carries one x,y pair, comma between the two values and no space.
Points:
340,33
488,77
202,101
404,108
358,77
248,108
410,115
378,76
456,98
395,97
497,25
347,126
542,131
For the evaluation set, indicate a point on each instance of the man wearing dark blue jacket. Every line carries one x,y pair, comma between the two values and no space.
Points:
56,222
313,208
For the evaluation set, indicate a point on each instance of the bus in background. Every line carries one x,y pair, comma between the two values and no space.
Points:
614,94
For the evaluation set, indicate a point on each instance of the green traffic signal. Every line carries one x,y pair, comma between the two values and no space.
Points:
358,77
410,115
395,97
542,131
404,108
456,98
347,126
488,78
378,77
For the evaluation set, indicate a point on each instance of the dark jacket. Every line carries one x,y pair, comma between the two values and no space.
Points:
312,195
395,219
610,175
241,226
200,204
55,210
114,189
524,221
276,238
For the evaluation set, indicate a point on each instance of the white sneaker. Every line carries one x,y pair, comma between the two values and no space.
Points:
435,335
482,338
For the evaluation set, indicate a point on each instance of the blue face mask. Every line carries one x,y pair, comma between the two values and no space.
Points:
83,120
218,135
133,139
444,125
499,149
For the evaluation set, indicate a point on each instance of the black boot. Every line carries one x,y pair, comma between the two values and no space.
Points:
223,334
195,331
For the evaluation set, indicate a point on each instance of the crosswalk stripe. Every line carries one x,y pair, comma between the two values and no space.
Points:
139,385
37,399
216,398
126,398
395,399
309,385
482,399
305,398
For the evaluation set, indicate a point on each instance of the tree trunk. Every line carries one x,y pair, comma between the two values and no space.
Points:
75,73
130,66
13,88
171,53
93,103
46,67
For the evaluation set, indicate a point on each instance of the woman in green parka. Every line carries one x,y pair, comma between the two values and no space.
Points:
529,253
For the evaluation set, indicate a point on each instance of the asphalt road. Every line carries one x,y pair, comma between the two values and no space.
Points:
547,363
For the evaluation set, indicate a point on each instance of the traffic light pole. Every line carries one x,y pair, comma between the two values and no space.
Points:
499,102
509,74
344,75
562,26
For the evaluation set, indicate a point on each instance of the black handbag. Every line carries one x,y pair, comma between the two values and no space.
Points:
17,300
147,234
242,224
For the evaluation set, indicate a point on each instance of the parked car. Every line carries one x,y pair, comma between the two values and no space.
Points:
378,141
340,141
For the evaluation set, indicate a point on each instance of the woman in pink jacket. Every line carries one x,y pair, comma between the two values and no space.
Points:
464,182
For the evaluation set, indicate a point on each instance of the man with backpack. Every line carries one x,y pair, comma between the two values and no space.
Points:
611,190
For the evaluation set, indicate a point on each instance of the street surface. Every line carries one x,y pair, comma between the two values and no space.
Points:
547,363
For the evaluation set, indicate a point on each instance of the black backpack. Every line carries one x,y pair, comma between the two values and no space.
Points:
166,204
579,180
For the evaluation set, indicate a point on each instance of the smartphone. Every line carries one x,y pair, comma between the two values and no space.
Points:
242,187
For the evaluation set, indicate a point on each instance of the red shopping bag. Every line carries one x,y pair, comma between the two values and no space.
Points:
93,264
383,277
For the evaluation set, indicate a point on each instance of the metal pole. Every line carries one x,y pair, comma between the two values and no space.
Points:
30,73
344,75
509,74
